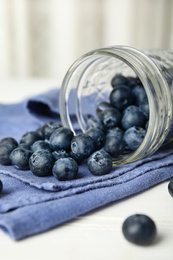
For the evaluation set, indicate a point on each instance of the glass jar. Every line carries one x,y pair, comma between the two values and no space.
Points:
88,82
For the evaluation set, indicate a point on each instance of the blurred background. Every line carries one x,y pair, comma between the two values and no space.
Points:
40,39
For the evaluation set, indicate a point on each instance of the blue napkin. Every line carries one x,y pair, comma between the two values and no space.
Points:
31,204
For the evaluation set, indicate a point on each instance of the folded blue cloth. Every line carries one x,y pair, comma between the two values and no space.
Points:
31,204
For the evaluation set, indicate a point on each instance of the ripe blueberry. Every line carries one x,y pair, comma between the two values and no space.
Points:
20,158
114,146
61,139
132,116
30,137
139,229
99,163
48,128
5,150
115,131
40,145
95,123
41,163
82,146
121,97
170,187
139,94
65,169
111,117
98,136
102,106
134,136
9,140
119,79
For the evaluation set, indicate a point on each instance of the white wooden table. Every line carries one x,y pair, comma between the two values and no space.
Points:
98,234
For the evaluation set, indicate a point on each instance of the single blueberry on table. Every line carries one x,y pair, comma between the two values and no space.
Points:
134,137
40,145
121,97
102,106
111,117
61,139
20,158
65,169
132,116
119,79
98,136
9,140
99,163
139,229
1,186
5,150
114,146
82,146
30,137
41,163
48,128
139,94
95,123
170,187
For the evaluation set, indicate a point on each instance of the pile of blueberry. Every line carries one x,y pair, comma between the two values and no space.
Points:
53,149
123,120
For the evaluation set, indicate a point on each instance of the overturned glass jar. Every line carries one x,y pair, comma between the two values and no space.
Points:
88,82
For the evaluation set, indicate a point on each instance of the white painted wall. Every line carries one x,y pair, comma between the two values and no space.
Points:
41,38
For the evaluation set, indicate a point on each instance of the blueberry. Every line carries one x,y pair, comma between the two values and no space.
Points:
24,146
114,146
41,163
111,117
40,145
98,136
170,187
1,186
119,79
5,150
95,123
82,145
61,139
102,106
121,97
139,229
29,138
65,169
20,158
144,107
9,140
139,93
134,136
60,154
132,82
115,131
100,163
48,128
132,116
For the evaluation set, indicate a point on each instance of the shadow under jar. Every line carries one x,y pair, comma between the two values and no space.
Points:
88,82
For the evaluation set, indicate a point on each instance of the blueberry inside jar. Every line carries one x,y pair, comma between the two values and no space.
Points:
125,93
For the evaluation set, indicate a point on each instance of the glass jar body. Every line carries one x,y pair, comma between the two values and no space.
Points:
88,82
